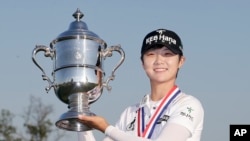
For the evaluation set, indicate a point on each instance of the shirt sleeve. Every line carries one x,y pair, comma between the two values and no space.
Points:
190,114
172,132
86,136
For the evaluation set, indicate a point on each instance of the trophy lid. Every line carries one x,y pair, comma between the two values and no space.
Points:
78,30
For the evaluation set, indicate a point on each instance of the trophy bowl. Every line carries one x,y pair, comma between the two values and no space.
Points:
78,76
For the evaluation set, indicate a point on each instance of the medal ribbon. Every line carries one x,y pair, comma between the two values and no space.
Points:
148,131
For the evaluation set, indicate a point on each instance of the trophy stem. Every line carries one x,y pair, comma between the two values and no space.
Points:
79,102
78,105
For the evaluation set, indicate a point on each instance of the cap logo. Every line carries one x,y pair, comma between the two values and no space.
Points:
160,38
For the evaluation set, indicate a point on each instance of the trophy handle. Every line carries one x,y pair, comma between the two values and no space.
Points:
47,53
108,53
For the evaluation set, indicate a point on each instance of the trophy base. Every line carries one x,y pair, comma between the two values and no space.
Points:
69,121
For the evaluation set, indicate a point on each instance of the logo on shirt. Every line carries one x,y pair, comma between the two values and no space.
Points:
188,113
131,126
162,119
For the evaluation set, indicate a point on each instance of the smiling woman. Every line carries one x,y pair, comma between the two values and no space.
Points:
165,113
161,64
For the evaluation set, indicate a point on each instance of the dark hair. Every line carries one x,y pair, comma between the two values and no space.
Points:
156,47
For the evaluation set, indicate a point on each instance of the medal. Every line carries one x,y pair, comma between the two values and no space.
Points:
147,131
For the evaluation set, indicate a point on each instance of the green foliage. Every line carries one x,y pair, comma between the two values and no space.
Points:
37,124
7,130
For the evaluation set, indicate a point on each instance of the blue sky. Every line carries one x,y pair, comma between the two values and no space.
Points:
215,35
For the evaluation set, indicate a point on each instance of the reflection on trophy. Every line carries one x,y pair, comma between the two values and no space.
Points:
78,75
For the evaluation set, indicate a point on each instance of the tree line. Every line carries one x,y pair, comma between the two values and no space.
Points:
36,124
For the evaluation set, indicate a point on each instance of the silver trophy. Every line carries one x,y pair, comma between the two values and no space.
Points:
78,75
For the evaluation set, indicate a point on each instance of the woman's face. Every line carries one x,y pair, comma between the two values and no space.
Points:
161,64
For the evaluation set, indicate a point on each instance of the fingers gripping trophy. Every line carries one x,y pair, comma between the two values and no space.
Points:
78,75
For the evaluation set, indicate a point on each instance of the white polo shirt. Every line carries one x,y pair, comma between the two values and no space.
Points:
185,112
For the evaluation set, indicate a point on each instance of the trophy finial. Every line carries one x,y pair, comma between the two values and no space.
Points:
78,14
